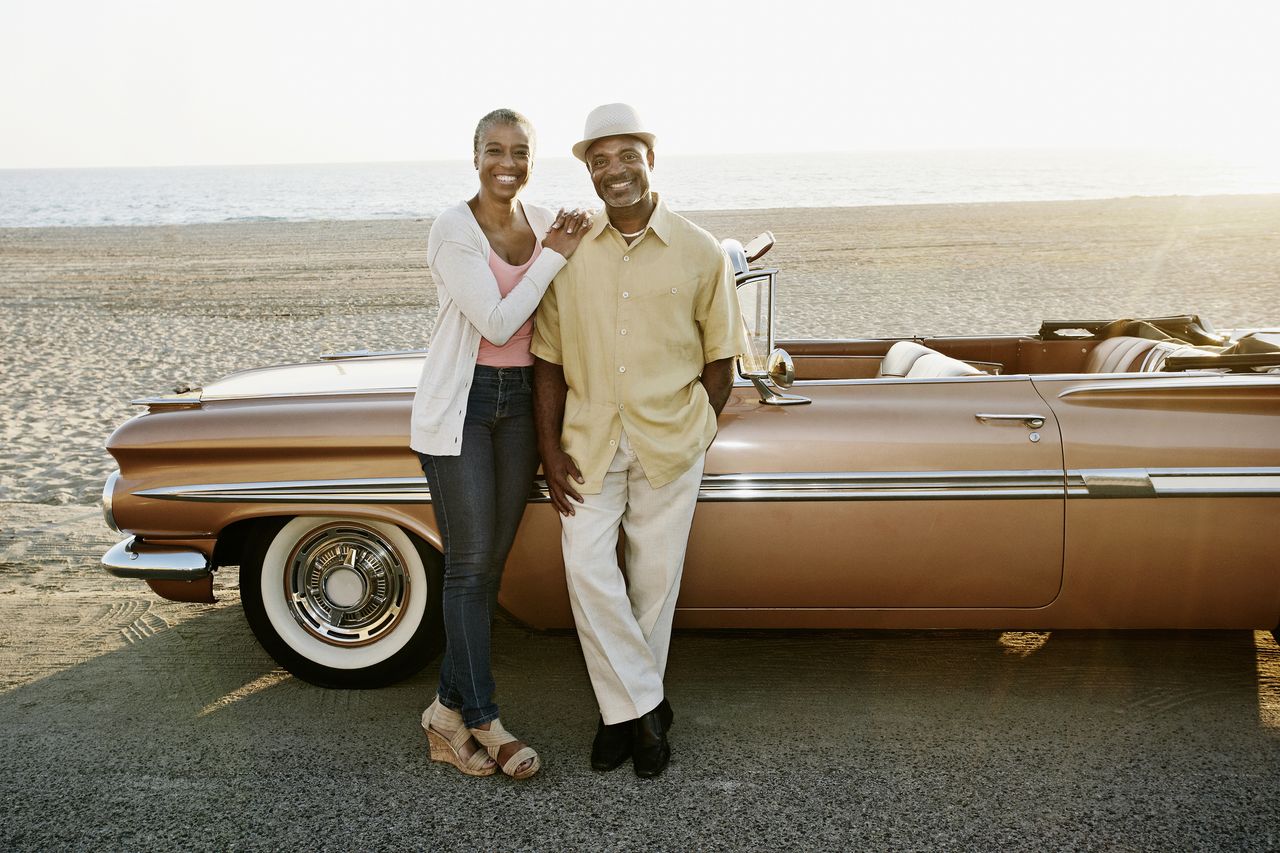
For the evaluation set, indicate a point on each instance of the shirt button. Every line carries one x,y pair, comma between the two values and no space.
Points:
673,290
612,442
621,406
626,295
622,370
623,332
626,257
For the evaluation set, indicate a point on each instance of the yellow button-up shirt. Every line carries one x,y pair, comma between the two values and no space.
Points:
633,327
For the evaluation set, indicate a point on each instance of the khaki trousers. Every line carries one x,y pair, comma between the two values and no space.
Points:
624,624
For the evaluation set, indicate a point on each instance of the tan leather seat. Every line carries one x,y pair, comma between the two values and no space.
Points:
1136,355
1167,350
908,359
1120,355
935,365
900,357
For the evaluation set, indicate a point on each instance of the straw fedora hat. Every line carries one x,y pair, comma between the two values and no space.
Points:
611,120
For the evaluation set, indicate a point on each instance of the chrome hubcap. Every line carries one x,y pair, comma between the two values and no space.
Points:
346,584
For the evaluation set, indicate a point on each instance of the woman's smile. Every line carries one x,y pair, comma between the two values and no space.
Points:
504,159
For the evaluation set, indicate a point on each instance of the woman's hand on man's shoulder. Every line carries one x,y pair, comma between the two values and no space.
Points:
566,231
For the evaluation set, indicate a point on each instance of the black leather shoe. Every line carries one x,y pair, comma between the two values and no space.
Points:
612,745
650,753
668,716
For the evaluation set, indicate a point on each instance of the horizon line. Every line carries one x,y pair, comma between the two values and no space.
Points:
1094,149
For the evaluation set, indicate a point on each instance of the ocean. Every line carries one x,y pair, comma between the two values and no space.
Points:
351,191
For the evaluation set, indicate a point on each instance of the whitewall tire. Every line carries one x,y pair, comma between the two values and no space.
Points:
343,602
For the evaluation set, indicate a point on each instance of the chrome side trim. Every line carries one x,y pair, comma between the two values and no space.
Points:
809,486
915,380
1214,382
1173,483
156,563
107,489
1110,483
804,486
357,491
355,392
881,486
1216,482
190,400
364,353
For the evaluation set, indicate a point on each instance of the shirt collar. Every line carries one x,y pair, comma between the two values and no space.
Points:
659,221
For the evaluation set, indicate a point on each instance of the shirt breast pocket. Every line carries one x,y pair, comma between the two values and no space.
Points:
669,316
672,296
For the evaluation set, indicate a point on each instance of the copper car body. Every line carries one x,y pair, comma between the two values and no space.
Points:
1008,486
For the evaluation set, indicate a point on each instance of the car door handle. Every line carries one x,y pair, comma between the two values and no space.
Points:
1033,421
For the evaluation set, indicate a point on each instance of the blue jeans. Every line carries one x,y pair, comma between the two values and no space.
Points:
479,498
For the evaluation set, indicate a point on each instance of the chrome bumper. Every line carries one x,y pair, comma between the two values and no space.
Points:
155,562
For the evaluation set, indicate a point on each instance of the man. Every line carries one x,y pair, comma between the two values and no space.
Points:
634,347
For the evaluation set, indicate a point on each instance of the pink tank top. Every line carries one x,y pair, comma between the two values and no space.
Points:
515,352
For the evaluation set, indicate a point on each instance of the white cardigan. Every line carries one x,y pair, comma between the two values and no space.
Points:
471,307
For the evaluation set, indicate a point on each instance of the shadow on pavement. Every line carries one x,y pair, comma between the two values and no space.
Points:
189,736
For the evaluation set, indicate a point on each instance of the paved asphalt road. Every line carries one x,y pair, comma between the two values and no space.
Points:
127,722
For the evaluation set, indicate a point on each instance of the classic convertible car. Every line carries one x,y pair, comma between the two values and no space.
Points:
1095,474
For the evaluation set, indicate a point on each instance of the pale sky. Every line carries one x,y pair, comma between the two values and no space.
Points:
183,82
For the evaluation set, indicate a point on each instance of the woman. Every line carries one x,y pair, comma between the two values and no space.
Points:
473,423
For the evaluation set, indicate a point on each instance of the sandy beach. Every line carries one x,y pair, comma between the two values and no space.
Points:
94,317
110,697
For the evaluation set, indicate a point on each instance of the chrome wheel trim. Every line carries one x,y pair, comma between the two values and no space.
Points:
346,584
279,610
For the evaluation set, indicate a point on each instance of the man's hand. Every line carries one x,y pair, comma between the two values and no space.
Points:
549,393
560,471
717,379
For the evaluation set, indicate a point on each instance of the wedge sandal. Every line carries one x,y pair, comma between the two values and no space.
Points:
493,740
446,736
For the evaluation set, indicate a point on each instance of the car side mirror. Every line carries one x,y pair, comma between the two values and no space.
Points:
780,368
781,371
762,360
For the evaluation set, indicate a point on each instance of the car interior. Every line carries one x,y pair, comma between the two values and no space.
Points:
1145,345
1124,346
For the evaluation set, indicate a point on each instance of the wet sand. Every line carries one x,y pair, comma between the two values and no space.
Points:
127,721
